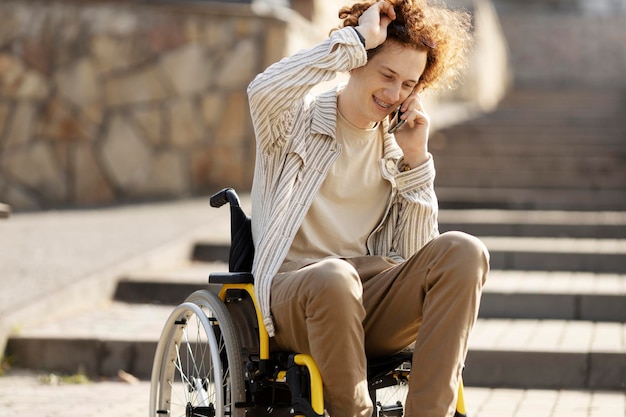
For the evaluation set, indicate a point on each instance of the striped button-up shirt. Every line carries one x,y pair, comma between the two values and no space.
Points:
296,146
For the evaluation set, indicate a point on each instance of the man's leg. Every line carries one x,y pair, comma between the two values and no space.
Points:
318,310
436,291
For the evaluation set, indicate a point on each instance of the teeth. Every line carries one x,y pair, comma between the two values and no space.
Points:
382,103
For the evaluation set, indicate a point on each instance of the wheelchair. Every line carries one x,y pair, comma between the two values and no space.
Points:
214,358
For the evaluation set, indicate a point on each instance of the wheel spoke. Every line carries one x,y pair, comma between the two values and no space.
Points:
195,348
183,380
391,399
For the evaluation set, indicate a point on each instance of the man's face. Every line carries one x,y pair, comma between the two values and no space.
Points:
385,81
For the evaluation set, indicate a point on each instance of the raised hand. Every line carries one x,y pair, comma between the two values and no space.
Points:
373,23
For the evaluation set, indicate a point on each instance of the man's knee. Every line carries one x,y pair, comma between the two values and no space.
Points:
467,246
466,252
337,280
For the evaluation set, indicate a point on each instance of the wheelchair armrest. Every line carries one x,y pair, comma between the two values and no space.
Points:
231,278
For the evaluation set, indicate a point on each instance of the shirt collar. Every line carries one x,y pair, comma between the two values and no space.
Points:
325,113
325,122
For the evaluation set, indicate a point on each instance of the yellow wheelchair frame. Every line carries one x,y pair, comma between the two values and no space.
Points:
214,357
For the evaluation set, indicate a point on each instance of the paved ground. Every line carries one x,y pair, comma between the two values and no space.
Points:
27,394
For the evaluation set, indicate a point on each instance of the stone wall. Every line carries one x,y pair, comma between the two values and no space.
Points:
107,102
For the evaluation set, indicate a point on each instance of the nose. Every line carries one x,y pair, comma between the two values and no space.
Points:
393,93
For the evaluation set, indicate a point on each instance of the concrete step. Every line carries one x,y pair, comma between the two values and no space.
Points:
548,105
503,353
557,254
99,342
519,253
540,149
583,101
554,295
547,354
5,211
472,142
531,116
522,174
166,286
527,198
508,294
517,127
535,223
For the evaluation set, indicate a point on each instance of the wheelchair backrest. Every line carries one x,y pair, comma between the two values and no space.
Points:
241,245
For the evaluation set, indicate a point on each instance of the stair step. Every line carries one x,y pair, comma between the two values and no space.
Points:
508,294
554,295
547,354
168,286
5,211
603,136
580,104
513,353
480,172
557,254
520,253
530,199
539,149
535,223
499,150
584,100
98,342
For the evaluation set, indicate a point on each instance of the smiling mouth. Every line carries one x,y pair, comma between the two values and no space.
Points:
382,104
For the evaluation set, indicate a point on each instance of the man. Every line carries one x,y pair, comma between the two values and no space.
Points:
349,262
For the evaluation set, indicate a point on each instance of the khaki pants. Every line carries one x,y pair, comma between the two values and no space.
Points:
340,311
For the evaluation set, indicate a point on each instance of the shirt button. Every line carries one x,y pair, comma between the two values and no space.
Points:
390,165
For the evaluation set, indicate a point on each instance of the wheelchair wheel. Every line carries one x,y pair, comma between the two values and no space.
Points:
390,397
197,368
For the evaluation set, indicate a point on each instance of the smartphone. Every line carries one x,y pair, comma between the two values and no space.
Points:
396,122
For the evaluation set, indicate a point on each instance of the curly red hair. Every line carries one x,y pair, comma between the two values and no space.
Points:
444,33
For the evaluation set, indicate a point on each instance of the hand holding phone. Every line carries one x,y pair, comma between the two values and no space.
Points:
396,122
413,140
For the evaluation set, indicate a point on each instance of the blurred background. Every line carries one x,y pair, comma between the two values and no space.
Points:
118,118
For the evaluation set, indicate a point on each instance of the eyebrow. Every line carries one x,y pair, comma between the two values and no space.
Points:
395,72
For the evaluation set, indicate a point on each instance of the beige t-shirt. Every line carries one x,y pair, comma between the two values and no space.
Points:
350,202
